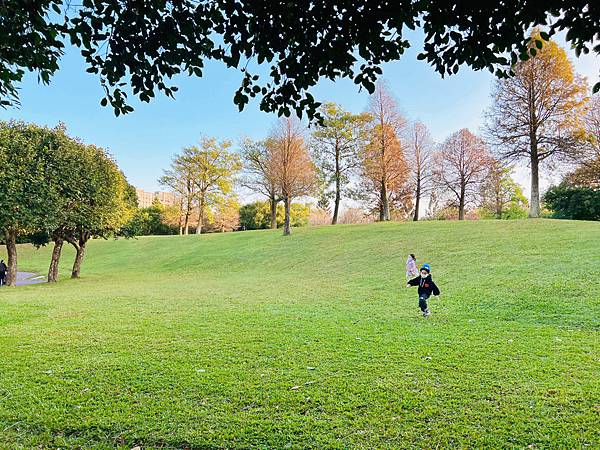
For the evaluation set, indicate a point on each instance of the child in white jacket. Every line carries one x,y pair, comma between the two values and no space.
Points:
411,266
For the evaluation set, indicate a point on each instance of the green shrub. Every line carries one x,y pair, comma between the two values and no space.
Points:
573,203
148,222
257,215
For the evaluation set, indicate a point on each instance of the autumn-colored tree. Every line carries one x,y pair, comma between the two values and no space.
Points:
460,167
180,178
587,174
295,173
419,147
226,216
172,216
592,128
537,114
212,168
384,173
335,146
384,168
499,191
259,173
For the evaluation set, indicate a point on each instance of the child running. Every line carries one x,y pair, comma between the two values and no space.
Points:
426,288
411,266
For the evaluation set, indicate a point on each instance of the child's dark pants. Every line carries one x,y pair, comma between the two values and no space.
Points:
423,302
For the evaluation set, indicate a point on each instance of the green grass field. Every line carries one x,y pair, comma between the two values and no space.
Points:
257,340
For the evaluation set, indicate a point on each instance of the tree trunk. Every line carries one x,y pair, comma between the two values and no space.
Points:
200,216
180,219
186,223
534,205
80,253
461,204
498,207
417,200
273,205
11,249
384,213
336,206
286,226
338,187
56,251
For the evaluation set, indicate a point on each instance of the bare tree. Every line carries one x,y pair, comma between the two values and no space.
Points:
461,165
537,113
419,149
383,155
259,173
434,205
295,173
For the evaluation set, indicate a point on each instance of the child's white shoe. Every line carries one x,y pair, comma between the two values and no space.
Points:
426,313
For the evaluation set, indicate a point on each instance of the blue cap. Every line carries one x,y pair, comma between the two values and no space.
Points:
426,267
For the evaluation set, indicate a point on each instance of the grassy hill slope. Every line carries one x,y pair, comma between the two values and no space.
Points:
254,339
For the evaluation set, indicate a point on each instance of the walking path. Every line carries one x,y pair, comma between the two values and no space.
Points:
24,278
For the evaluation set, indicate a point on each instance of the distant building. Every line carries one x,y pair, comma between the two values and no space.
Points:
145,198
167,198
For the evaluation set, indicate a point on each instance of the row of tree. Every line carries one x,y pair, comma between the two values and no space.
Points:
56,188
542,114
376,158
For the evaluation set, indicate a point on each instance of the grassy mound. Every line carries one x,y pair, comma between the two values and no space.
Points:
254,339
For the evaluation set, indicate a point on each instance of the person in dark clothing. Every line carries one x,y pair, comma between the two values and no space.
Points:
3,269
426,288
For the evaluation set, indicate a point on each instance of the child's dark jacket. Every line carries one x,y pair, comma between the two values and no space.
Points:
426,285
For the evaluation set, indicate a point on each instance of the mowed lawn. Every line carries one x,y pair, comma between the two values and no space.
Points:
311,341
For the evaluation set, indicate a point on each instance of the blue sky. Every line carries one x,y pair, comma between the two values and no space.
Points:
144,141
